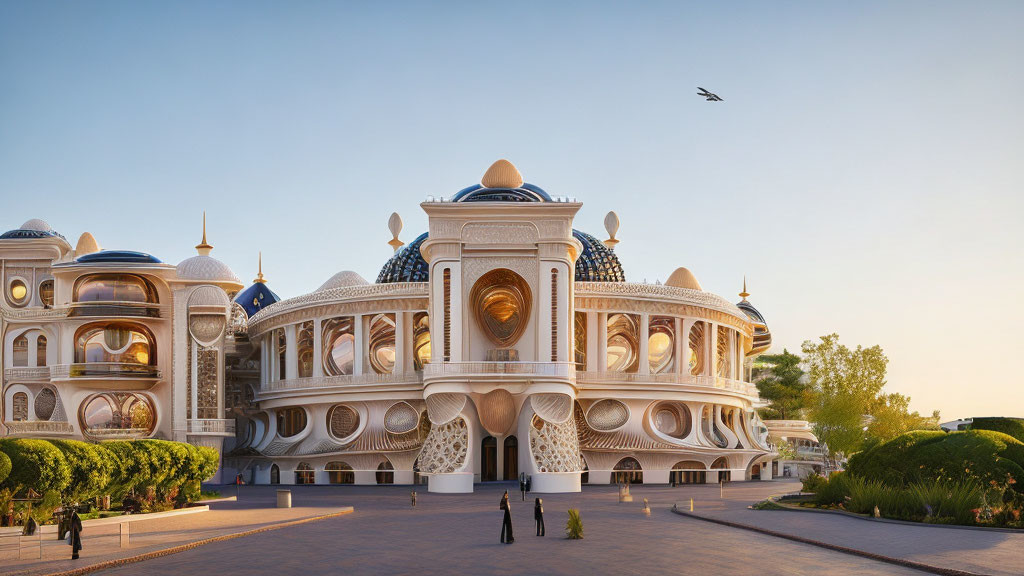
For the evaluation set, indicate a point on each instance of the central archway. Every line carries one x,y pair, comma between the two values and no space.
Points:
628,471
489,459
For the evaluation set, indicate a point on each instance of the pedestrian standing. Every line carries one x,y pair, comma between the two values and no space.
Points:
529,483
76,534
522,486
413,496
538,515
506,524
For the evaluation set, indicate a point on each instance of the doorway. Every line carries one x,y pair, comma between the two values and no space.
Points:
511,458
489,459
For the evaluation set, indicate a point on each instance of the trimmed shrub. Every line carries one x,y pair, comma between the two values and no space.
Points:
5,467
813,482
1010,426
950,501
91,469
833,491
36,465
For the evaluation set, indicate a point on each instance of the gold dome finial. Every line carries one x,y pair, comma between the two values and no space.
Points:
611,225
395,226
502,174
744,294
203,248
259,275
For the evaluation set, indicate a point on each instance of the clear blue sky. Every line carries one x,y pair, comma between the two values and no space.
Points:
864,170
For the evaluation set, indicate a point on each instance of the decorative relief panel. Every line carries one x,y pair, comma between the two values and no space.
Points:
401,418
206,391
45,403
555,408
497,411
554,446
491,233
607,415
445,448
206,328
443,407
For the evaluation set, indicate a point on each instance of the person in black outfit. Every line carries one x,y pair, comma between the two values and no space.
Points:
538,515
76,535
506,525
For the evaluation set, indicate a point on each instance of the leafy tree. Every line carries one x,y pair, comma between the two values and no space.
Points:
780,381
891,416
5,467
846,384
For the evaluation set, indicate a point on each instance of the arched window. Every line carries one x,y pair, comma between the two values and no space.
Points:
339,346
385,473
46,293
661,344
421,339
688,472
282,354
290,421
340,473
115,342
19,356
628,471
117,415
305,349
41,351
19,407
722,465
275,474
623,342
114,288
304,474
382,343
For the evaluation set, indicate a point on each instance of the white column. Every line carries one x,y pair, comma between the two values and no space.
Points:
291,354
732,354
401,366
592,342
685,342
645,337
33,344
360,344
711,341
677,352
318,365
602,341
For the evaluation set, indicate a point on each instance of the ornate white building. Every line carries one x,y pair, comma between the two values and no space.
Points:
500,342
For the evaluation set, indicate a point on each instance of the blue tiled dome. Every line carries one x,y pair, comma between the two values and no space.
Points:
34,228
597,263
119,256
525,193
407,265
256,297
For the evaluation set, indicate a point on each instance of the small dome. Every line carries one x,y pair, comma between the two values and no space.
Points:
87,244
343,279
256,297
502,174
207,269
37,225
502,183
118,257
407,265
208,296
597,262
683,278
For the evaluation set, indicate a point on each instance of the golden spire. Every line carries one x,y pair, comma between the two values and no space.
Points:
203,248
259,276
744,294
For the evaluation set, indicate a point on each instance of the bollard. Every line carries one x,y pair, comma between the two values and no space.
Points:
125,535
284,498
691,504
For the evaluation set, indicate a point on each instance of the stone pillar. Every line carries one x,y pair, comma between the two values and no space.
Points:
291,354
602,341
360,344
592,342
364,477
318,348
401,364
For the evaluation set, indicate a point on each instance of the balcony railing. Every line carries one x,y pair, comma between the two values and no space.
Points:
125,309
552,369
345,380
118,433
22,374
681,379
104,370
38,427
211,426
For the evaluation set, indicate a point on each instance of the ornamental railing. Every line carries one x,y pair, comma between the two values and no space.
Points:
549,369
115,433
35,373
104,370
119,309
681,379
213,426
343,380
38,427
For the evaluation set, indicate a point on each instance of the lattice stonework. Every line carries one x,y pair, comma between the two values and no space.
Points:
206,402
46,402
554,446
444,450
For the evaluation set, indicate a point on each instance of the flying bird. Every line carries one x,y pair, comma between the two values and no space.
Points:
708,95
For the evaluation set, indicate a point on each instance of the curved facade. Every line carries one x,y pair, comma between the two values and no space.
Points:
500,342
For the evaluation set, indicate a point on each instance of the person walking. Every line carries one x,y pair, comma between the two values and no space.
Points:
522,485
76,534
538,515
506,524
413,496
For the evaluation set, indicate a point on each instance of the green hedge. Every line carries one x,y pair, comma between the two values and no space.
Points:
80,470
5,467
978,456
1012,426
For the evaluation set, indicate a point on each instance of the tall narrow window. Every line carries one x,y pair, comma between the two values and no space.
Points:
305,349
580,335
282,349
20,351
19,406
421,339
554,315
339,350
447,314
41,351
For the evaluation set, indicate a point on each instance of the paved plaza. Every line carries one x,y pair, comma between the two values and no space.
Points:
448,534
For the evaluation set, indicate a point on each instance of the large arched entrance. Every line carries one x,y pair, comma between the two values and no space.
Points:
511,463
385,473
628,471
722,465
489,459
688,472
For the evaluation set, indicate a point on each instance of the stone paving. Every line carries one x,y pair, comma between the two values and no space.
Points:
458,534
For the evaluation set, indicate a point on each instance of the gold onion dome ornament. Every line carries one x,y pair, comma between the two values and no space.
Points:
502,174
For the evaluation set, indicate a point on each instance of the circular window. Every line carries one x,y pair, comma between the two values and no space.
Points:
117,415
18,291
342,421
401,418
290,421
607,415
